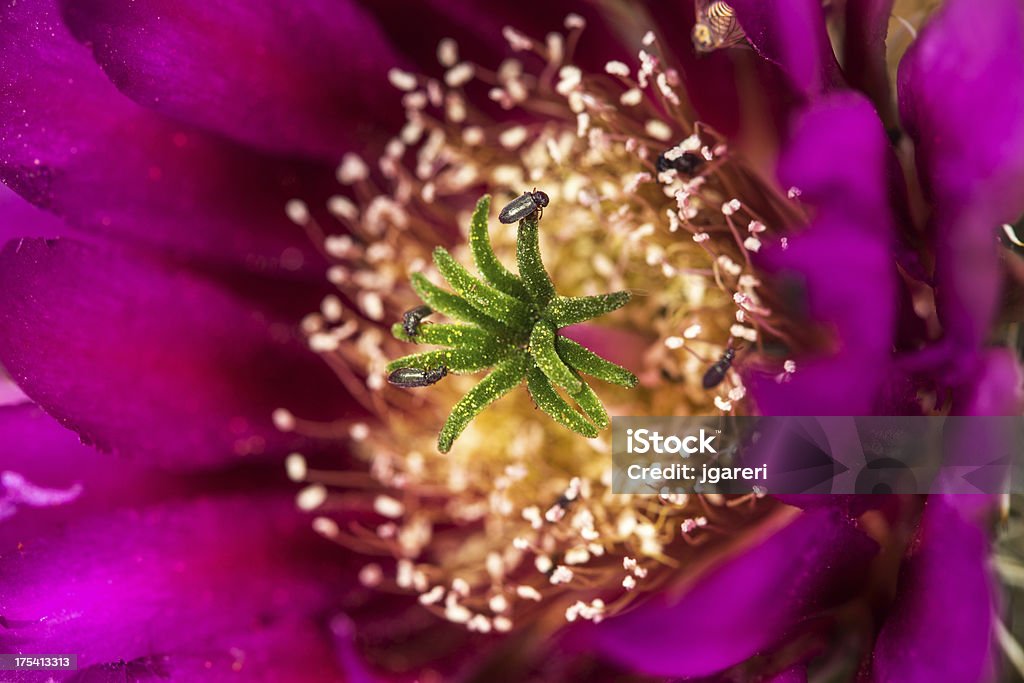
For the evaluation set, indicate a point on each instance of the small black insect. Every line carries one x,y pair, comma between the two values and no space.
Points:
412,318
716,373
408,378
686,164
524,206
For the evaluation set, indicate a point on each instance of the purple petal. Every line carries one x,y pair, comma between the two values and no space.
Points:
48,475
200,589
961,96
792,34
149,575
853,296
842,261
850,179
294,77
18,218
864,63
150,361
287,649
997,388
70,143
745,604
941,625
852,505
795,674
351,661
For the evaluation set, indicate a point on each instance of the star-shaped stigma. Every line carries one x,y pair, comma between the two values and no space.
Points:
510,323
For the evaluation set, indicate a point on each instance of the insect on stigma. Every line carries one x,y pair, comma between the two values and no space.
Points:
409,378
412,318
524,206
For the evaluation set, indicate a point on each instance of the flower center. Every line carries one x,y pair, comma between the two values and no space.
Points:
519,516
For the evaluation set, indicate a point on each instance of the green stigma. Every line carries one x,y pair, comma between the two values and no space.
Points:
510,324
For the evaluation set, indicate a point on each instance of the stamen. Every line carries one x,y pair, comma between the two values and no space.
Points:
631,97
459,75
352,170
447,52
311,497
617,68
295,465
283,420
403,80
659,130
516,40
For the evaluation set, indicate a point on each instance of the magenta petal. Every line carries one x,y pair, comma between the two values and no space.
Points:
146,575
287,649
149,361
73,145
849,181
864,63
296,77
18,218
941,626
997,388
842,261
851,505
200,589
795,674
792,34
743,605
961,96
49,476
853,296
847,383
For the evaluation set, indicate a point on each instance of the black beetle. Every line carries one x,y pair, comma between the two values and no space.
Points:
408,378
524,206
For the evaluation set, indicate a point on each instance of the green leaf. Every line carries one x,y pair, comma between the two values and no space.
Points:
486,261
568,310
506,376
454,306
589,363
531,267
480,295
548,400
591,405
458,361
542,348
